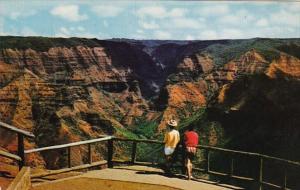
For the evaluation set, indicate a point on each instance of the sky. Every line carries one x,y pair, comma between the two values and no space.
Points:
179,20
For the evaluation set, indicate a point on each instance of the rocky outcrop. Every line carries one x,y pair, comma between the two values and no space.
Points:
285,67
202,63
184,99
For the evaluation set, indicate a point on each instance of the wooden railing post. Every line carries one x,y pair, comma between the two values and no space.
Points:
110,149
21,150
133,153
90,159
69,157
207,156
260,175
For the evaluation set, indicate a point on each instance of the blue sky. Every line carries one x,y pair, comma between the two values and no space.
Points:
189,20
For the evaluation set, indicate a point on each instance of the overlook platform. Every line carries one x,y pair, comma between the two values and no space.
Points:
129,178
133,177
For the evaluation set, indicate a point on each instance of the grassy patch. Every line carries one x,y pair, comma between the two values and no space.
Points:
125,133
146,129
196,117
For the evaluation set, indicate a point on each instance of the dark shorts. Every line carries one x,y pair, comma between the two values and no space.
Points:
190,152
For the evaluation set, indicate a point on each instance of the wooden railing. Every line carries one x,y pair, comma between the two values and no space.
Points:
261,158
20,135
259,179
108,139
10,156
208,150
70,145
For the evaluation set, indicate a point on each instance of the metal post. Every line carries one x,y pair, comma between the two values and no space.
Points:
133,153
284,187
207,160
231,167
90,159
260,177
110,147
21,150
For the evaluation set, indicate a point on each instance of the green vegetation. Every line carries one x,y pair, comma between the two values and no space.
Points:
44,43
146,129
269,48
196,117
126,133
291,48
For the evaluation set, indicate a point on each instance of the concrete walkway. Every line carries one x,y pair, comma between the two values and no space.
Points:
130,177
142,174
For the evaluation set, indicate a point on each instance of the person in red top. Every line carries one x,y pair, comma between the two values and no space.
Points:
191,142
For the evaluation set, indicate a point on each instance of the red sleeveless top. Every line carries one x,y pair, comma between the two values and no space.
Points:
191,139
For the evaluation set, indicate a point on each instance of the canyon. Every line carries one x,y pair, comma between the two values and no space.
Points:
241,94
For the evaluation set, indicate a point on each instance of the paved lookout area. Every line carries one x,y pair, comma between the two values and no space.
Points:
130,177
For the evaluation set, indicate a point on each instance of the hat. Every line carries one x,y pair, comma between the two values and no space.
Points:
172,122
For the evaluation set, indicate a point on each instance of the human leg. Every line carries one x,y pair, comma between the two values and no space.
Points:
186,165
168,163
168,156
189,168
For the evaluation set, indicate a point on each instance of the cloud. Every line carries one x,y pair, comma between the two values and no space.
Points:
284,17
21,14
2,32
177,12
74,32
151,11
185,23
213,10
69,13
105,23
101,35
291,6
80,28
231,34
208,35
240,17
23,31
230,19
262,22
9,9
140,31
148,25
27,31
64,32
107,10
271,31
140,34
160,12
162,35
189,37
